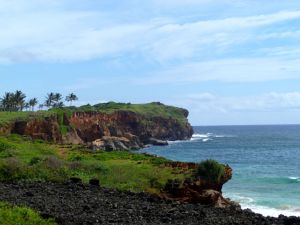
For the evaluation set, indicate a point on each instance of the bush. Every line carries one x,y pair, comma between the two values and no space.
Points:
10,215
11,169
53,163
35,160
5,146
211,170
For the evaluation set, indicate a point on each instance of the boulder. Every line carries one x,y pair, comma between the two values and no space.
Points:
198,190
94,182
108,143
213,198
154,141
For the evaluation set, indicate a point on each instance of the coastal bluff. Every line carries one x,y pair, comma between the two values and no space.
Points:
108,126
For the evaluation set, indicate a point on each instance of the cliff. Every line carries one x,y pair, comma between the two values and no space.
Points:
198,189
106,127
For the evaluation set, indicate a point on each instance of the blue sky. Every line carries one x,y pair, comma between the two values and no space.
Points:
227,61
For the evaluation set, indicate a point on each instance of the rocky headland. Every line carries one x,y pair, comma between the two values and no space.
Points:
76,138
122,128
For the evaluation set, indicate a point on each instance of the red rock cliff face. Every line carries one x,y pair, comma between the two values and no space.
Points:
91,126
129,129
39,128
198,190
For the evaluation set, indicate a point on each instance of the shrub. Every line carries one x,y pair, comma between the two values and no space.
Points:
35,160
76,165
11,169
53,163
5,146
10,215
210,170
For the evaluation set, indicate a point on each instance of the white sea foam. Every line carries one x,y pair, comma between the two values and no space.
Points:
267,211
249,203
179,141
206,139
294,178
201,135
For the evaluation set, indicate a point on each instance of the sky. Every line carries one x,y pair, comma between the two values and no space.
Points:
229,62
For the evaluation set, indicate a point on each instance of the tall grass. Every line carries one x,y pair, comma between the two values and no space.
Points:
22,159
210,170
10,215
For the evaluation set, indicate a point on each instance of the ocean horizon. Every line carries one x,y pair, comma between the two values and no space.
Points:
265,161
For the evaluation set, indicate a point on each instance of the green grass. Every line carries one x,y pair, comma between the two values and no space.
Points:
7,117
10,215
148,110
211,170
22,159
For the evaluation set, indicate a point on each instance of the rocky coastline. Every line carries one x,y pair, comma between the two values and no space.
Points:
193,199
79,204
119,130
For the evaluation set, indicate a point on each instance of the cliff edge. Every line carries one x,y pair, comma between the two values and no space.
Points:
108,126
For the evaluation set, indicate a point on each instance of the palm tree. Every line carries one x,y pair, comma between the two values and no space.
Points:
18,100
41,106
71,97
58,104
49,100
54,100
27,106
57,97
7,101
32,103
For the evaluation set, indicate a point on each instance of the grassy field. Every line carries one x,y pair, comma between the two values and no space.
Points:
10,215
148,110
11,116
6,117
22,159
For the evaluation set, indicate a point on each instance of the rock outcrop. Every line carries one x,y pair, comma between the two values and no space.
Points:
119,130
198,190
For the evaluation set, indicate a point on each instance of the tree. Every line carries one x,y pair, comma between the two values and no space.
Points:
41,106
71,97
18,101
6,101
26,106
32,103
13,101
54,100
49,100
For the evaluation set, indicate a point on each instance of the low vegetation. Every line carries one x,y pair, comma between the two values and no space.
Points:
211,170
15,105
7,117
23,159
154,109
10,215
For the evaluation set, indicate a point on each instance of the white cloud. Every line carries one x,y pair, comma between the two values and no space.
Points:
273,101
228,70
53,33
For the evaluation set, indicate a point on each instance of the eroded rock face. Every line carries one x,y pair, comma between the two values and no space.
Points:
198,190
39,128
154,141
120,130
91,126
111,143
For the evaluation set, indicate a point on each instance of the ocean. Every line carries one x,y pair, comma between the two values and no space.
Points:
265,162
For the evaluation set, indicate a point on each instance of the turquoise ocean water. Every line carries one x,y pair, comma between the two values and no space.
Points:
265,161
